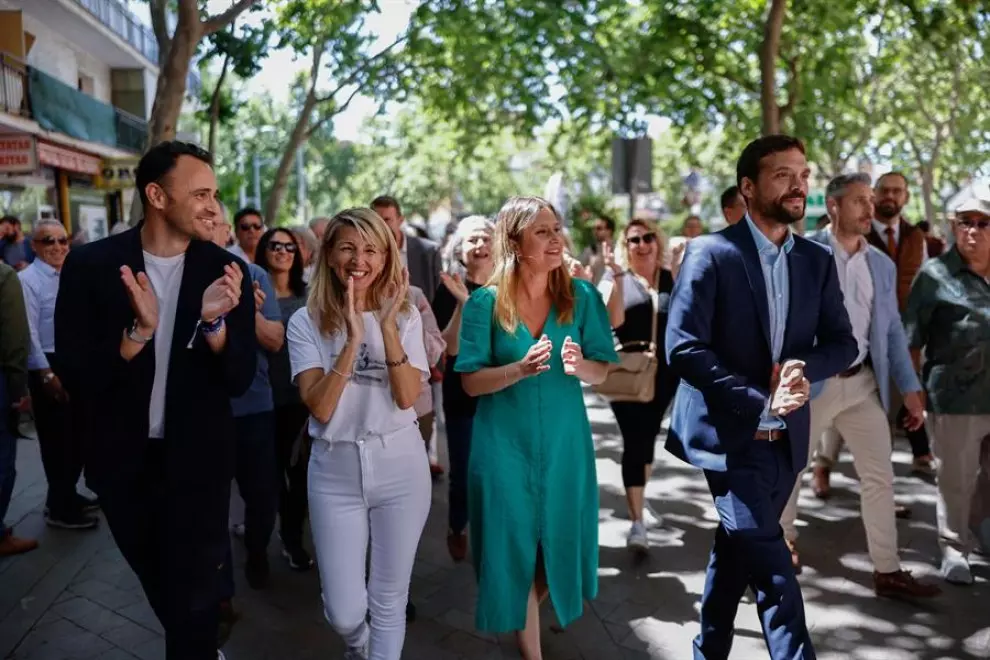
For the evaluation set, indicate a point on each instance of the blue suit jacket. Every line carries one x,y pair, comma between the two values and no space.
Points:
888,342
718,343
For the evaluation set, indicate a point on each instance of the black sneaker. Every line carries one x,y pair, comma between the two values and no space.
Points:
257,571
410,612
74,520
299,559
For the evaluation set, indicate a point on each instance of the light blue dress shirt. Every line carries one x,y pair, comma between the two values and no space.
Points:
39,281
258,397
776,278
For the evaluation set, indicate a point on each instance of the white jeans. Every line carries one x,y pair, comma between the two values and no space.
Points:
852,407
377,487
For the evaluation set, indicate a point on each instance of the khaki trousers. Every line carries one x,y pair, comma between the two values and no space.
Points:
852,407
961,443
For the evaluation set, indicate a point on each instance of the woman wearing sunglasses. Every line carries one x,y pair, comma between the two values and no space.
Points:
639,293
278,253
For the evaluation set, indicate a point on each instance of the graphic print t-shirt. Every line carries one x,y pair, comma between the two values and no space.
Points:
366,405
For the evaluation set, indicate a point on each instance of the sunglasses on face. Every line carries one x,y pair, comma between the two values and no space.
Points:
276,246
51,240
645,239
974,224
251,226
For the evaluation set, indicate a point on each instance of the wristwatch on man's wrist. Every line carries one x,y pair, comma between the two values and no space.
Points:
47,378
136,336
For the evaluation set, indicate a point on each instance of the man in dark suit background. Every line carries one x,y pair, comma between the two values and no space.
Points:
420,256
154,328
756,315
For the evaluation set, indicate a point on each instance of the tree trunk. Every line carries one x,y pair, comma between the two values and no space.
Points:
769,52
285,164
928,191
215,105
172,83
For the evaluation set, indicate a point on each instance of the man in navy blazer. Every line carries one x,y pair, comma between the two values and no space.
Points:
756,315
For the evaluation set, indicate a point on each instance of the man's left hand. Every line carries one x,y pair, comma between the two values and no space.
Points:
914,403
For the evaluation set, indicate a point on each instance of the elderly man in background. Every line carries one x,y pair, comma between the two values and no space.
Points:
61,447
948,324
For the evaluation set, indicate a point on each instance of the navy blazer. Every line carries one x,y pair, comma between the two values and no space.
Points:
718,343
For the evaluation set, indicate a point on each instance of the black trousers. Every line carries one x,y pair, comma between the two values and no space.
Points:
918,438
61,449
180,567
293,502
639,424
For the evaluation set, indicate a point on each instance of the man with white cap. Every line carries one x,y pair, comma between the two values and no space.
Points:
947,318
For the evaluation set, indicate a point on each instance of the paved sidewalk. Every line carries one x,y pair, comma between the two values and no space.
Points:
76,598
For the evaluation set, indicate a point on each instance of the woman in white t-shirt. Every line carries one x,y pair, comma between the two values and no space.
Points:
358,356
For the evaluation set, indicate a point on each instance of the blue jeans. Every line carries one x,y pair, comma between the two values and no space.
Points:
459,449
8,455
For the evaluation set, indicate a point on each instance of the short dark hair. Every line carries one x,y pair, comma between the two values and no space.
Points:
296,283
729,196
160,160
245,212
894,173
10,220
608,220
386,201
748,166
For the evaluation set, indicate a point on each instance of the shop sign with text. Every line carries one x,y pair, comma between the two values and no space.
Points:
18,153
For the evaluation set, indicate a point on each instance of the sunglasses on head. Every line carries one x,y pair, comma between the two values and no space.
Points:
277,246
251,226
646,239
51,240
974,224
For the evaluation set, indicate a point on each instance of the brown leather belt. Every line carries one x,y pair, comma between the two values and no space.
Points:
771,436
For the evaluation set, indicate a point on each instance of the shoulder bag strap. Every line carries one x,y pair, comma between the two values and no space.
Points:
654,300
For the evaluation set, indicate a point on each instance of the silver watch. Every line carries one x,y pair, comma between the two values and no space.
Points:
135,336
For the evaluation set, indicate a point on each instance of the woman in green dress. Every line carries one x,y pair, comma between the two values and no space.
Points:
526,342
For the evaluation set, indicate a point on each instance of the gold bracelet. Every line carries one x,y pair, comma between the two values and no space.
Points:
342,375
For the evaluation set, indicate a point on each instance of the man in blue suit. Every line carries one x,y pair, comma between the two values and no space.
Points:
756,315
855,401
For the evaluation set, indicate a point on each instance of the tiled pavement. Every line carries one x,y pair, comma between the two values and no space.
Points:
75,598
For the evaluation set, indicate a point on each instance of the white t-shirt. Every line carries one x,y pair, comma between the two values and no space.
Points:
366,406
165,274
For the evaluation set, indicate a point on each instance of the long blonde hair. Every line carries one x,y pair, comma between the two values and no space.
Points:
515,215
326,302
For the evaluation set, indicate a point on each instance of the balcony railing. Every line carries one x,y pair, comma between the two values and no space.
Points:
127,26
62,108
13,85
132,131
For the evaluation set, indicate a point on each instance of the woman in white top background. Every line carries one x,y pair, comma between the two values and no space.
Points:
358,355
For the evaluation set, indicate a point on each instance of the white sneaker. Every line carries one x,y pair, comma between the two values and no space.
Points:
955,569
650,517
636,539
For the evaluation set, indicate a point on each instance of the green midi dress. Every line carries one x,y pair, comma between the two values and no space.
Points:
531,473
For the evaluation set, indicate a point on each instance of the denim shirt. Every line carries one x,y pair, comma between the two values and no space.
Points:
773,260
948,316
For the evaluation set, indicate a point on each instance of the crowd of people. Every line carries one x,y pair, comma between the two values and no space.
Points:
312,367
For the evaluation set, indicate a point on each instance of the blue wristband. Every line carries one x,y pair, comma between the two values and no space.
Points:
211,327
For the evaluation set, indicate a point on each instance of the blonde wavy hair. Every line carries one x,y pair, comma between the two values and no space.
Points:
326,302
515,216
622,248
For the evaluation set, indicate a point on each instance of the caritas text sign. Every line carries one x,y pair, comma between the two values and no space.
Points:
18,153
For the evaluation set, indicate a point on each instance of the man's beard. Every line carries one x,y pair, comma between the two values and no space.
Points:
776,210
888,210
